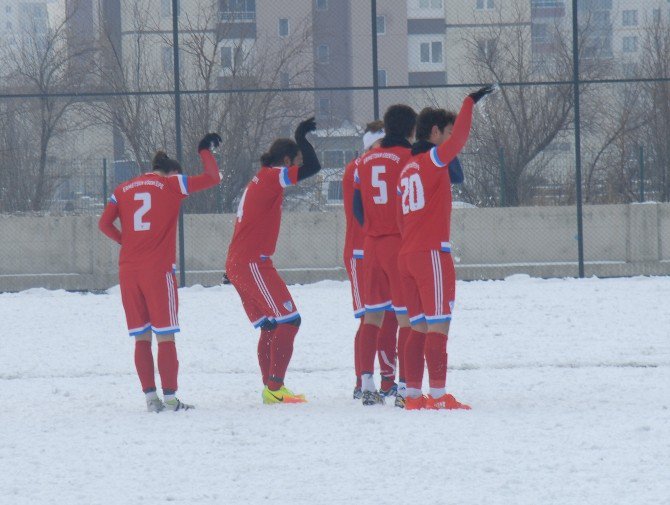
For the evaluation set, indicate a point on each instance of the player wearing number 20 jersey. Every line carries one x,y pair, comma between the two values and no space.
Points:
425,263
148,209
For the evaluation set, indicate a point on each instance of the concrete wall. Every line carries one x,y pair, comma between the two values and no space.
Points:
620,240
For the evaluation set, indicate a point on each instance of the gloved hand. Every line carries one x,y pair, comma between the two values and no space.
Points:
482,92
308,125
210,141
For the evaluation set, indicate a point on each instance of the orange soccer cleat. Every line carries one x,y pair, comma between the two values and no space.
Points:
446,402
417,403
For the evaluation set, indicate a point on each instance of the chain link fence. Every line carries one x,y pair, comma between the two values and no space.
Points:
578,133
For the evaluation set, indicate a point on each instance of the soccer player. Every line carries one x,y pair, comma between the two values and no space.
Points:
425,262
374,206
353,262
249,267
148,209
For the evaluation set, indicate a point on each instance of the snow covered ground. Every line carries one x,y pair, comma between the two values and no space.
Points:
569,382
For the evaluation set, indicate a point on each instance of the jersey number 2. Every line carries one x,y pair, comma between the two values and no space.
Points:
140,225
412,194
380,184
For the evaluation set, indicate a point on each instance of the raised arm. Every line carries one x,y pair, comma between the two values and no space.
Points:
448,150
310,163
210,175
106,222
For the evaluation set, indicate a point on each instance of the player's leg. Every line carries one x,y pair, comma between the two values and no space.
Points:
240,275
377,300
139,326
411,352
160,291
354,268
386,354
272,289
438,299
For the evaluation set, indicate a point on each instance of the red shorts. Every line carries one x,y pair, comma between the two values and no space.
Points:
354,268
383,287
429,284
150,301
263,292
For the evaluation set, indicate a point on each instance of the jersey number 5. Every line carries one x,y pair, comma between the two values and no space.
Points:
140,225
412,194
380,184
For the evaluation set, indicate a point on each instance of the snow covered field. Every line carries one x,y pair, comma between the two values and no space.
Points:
569,381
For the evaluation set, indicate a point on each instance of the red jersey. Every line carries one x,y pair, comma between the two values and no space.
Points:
424,190
148,209
259,213
377,177
354,237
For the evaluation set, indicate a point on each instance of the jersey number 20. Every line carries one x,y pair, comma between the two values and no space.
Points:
138,224
412,194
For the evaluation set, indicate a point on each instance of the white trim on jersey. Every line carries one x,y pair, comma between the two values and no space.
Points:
445,246
113,199
358,254
437,282
399,310
435,158
288,317
258,278
133,332
417,319
284,180
166,329
378,307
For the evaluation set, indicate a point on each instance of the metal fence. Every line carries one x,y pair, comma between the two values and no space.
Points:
89,90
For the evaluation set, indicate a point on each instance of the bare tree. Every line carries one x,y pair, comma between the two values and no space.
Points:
38,60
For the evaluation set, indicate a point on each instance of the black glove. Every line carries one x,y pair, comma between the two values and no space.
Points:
482,92
308,125
209,141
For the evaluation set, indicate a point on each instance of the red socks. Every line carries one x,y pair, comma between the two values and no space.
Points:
414,359
144,364
403,335
386,352
168,366
436,359
281,350
357,354
368,349
265,352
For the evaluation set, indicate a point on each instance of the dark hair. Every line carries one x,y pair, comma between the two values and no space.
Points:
279,149
399,121
163,163
374,126
430,117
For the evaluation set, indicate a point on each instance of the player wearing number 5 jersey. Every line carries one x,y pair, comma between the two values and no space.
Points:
374,205
148,209
249,267
425,263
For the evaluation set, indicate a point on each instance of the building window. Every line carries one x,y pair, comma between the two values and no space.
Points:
381,25
324,106
227,57
436,4
485,4
381,78
323,53
166,60
283,27
539,32
630,18
424,4
284,80
436,52
335,191
486,47
321,5
425,52
166,8
630,44
238,11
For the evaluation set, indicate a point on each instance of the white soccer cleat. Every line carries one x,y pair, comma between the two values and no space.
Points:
154,404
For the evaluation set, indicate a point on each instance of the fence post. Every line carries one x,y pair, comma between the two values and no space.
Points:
578,137
641,174
375,63
104,181
503,183
177,120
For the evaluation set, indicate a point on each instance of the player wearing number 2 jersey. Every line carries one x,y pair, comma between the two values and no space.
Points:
249,267
374,205
425,263
148,209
